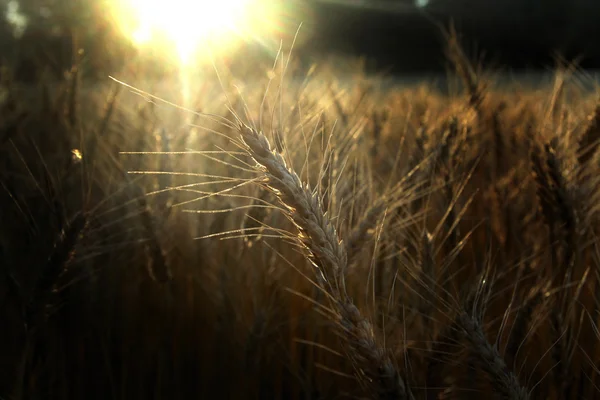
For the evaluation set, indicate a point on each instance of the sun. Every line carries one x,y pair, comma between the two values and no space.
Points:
188,24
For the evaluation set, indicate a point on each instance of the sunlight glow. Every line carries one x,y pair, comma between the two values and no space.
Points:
189,24
192,34
15,18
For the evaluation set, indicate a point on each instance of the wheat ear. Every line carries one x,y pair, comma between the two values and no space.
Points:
317,233
373,365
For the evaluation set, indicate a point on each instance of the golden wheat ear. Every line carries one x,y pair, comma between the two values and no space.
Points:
374,367
590,139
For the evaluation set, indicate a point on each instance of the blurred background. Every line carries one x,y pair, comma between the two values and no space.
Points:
396,36
519,34
405,34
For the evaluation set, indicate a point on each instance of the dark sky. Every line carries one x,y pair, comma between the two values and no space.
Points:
508,33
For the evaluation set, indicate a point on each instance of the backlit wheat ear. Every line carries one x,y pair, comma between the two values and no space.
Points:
317,233
475,89
373,365
564,203
503,379
557,206
57,264
590,139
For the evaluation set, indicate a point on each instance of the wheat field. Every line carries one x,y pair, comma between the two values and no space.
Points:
314,240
